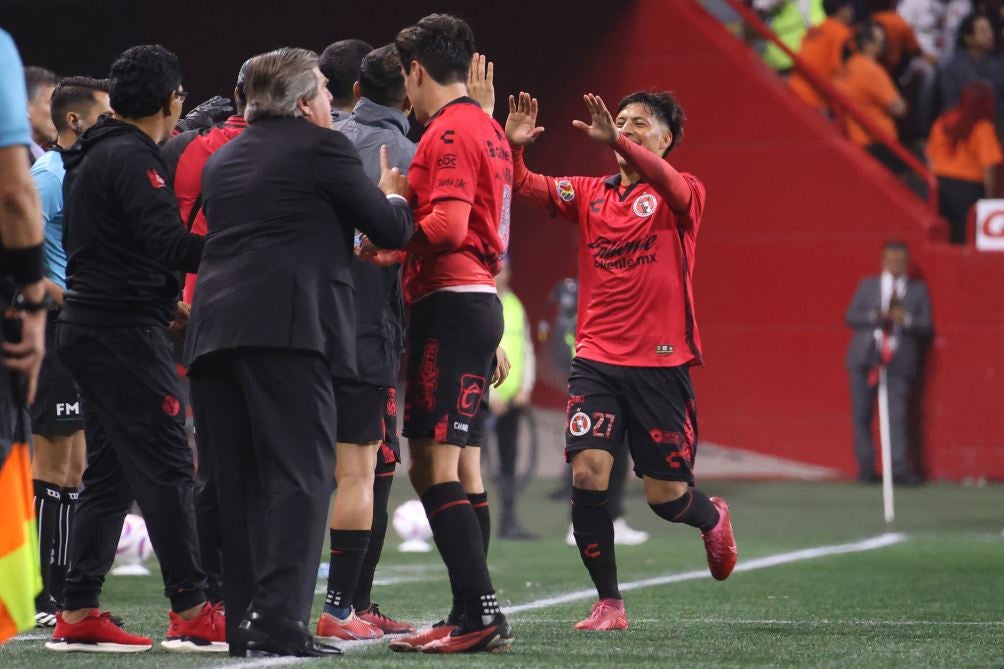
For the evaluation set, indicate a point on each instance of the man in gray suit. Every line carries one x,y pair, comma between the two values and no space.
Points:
891,319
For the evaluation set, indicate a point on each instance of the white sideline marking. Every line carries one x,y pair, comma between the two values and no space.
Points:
866,623
881,541
874,543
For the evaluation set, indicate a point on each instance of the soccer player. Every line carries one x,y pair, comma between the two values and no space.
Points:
185,155
461,178
368,449
124,242
56,417
636,261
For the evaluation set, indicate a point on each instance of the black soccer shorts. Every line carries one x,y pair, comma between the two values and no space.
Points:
361,408
57,411
654,406
452,339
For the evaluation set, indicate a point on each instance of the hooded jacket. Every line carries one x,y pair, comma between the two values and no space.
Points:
122,233
379,304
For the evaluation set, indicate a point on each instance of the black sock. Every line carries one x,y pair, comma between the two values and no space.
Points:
479,501
594,535
381,497
693,508
48,506
348,548
61,555
458,537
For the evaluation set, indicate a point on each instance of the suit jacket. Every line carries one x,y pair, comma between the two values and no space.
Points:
864,315
281,202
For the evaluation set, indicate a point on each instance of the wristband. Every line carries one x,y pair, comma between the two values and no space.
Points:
25,264
21,303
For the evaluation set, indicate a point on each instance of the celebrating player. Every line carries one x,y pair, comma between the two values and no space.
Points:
636,262
461,178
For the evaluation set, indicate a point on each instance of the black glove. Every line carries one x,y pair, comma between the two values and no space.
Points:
206,115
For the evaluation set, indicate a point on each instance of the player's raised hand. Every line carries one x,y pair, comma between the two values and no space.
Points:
392,182
602,128
521,126
481,82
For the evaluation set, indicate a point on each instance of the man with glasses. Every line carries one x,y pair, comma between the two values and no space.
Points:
124,242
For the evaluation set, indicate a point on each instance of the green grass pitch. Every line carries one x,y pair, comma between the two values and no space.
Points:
934,599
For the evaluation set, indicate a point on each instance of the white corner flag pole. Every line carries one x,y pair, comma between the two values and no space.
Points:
884,438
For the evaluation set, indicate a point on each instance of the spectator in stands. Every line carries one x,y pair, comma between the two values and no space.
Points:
790,20
914,75
40,83
901,44
935,22
964,153
511,400
891,319
824,49
873,93
974,60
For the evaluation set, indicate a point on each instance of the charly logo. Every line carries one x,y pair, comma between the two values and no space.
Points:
645,205
565,190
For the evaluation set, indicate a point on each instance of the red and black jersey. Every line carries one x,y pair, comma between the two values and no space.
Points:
463,155
186,154
636,265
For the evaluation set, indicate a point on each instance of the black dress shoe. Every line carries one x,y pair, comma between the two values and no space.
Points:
264,635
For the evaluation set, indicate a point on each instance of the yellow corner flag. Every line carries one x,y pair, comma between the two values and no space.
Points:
20,575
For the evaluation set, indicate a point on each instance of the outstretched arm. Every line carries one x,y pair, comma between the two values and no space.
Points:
521,129
665,179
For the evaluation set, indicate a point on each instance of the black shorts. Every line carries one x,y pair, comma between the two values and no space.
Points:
361,409
57,411
452,339
654,406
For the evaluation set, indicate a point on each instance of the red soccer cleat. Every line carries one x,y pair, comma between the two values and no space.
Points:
95,634
606,615
374,617
416,642
205,633
353,628
495,637
720,543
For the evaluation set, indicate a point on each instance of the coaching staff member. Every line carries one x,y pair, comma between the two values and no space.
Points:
273,322
124,242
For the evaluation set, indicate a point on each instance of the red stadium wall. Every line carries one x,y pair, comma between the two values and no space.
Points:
795,217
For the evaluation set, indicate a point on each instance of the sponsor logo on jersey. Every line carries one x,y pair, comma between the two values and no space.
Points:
645,205
579,424
664,349
428,376
447,161
614,254
565,190
67,409
447,136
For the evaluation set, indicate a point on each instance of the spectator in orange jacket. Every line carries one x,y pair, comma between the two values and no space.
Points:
964,152
823,49
873,93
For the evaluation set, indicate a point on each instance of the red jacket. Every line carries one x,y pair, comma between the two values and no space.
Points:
186,154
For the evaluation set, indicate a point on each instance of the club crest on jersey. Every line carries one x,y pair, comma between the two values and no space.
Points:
565,190
579,424
644,206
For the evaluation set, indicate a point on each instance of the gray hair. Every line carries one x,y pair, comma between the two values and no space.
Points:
275,82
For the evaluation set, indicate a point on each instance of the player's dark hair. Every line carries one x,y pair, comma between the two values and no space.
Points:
142,79
241,97
74,94
340,64
664,106
442,43
894,245
380,77
831,7
36,77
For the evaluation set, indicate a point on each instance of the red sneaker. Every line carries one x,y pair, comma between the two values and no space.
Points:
205,633
720,543
416,642
374,617
496,637
95,634
352,628
606,615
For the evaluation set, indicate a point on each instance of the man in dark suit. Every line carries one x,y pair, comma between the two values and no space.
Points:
891,319
273,322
